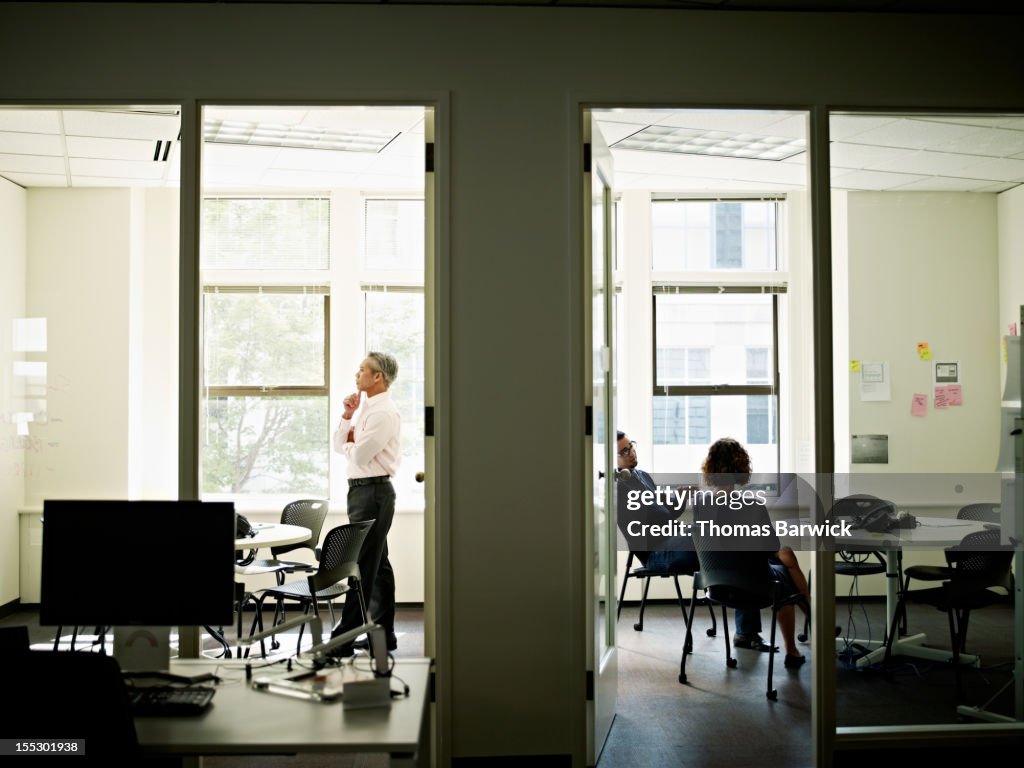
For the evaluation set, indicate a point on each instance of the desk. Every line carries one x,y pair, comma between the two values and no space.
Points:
931,533
242,721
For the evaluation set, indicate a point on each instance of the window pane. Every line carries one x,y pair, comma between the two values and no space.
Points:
700,235
724,327
394,235
252,233
264,339
760,419
395,324
685,426
265,445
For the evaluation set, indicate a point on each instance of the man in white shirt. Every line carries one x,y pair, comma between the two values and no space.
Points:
370,442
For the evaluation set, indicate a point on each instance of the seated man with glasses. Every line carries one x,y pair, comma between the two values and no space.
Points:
674,553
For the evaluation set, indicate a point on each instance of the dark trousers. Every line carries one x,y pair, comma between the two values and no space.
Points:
372,502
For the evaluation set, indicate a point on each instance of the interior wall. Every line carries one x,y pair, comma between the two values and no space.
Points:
923,268
12,454
1010,206
77,278
511,266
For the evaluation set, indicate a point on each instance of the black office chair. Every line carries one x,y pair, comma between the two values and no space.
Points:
78,695
981,513
738,579
337,575
645,572
976,566
308,513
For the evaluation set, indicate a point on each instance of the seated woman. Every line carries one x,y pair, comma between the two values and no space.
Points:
727,466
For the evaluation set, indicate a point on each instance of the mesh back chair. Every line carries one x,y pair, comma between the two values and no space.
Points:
645,572
978,564
337,575
980,513
737,579
308,513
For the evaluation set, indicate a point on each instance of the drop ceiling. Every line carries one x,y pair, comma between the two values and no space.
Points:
139,146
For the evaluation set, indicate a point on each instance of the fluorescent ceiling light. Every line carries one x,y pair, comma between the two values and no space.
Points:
294,136
694,141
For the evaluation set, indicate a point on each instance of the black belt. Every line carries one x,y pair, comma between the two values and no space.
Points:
354,481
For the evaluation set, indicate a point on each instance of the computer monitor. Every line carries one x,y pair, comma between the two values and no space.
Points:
137,563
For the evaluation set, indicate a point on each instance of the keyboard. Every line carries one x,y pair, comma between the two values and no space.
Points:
159,701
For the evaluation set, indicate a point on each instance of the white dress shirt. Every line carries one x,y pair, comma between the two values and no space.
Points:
377,450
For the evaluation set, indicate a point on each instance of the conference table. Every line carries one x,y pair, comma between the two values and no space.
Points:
931,533
245,721
264,535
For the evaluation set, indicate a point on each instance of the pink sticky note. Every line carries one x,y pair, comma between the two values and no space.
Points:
920,405
1013,329
956,395
941,397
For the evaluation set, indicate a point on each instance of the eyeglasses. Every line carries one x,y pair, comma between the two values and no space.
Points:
628,449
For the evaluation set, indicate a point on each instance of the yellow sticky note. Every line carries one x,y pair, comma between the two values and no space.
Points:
926,354
924,351
854,366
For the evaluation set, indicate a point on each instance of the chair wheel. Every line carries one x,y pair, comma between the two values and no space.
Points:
638,627
773,695
682,679
730,663
275,644
711,633
802,637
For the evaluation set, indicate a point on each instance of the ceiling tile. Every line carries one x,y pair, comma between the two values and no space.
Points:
871,180
31,143
855,156
926,163
111,149
30,120
36,179
115,169
944,184
913,134
121,125
113,181
996,170
994,142
321,160
31,164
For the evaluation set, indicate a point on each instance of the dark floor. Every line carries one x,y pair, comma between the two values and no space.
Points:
722,718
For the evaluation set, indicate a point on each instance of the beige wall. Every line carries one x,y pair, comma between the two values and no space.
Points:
923,268
12,455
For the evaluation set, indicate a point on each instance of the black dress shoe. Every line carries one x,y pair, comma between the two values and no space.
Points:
752,643
794,662
364,644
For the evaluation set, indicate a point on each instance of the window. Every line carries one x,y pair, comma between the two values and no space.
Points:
265,399
715,346
394,324
265,347
694,235
393,235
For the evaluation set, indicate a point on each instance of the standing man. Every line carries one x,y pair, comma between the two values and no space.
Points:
371,445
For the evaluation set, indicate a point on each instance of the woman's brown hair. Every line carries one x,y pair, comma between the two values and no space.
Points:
727,463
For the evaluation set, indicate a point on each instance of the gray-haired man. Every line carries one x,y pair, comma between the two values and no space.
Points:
370,442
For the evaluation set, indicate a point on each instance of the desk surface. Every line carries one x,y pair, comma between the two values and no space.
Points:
930,533
244,721
273,535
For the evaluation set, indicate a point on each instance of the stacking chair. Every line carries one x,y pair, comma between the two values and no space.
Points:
337,575
308,513
982,513
738,579
646,573
978,564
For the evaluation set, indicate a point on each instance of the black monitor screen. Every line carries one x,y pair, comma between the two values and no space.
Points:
155,563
